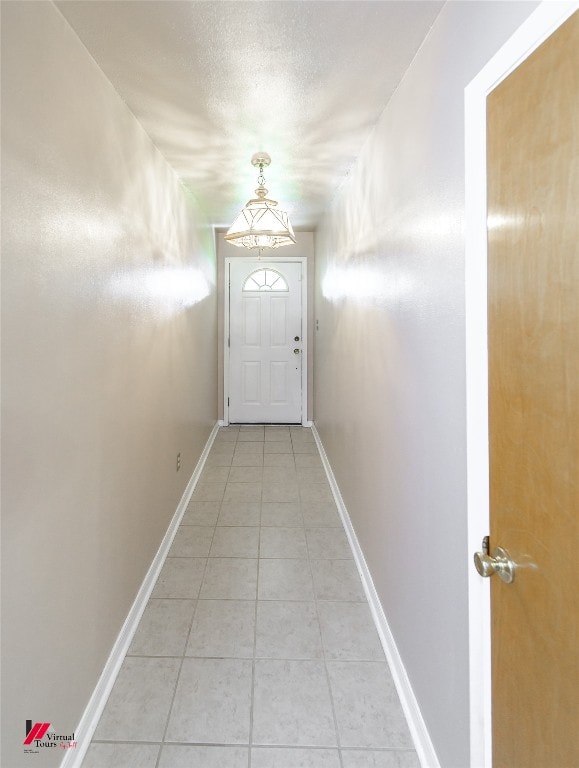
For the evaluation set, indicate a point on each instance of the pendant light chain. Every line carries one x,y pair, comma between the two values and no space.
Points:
261,177
261,182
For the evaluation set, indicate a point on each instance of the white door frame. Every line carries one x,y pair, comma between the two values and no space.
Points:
279,259
534,31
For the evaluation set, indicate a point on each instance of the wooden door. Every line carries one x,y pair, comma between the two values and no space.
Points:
533,301
265,336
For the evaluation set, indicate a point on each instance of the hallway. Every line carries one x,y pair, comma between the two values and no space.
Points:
257,648
127,133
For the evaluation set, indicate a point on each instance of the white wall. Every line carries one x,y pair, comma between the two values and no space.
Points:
109,367
390,359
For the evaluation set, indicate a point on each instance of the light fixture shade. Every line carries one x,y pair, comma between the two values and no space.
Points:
261,225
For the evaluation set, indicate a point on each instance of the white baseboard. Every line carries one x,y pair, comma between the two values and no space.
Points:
416,724
90,718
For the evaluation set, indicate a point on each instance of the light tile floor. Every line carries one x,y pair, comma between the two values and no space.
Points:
257,648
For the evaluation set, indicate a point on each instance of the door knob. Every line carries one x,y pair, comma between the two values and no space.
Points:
296,351
500,563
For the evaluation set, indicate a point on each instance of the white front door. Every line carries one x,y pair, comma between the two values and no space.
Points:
265,342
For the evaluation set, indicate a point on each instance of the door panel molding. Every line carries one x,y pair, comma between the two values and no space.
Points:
304,340
532,33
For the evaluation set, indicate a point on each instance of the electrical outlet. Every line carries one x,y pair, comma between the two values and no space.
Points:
178,461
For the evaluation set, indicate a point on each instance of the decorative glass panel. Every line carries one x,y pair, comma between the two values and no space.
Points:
265,280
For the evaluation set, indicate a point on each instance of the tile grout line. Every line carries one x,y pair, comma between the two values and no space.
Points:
327,674
254,629
163,742
313,747
252,703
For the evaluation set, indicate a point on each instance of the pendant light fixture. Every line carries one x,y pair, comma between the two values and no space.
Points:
260,224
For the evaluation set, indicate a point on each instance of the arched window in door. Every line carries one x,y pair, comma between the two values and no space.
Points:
265,280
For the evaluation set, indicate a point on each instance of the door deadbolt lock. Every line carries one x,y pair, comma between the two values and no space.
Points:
296,338
500,563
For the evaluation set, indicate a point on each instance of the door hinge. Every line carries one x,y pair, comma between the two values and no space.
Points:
228,401
228,342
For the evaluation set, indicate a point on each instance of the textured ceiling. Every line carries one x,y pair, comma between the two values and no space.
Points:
214,82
